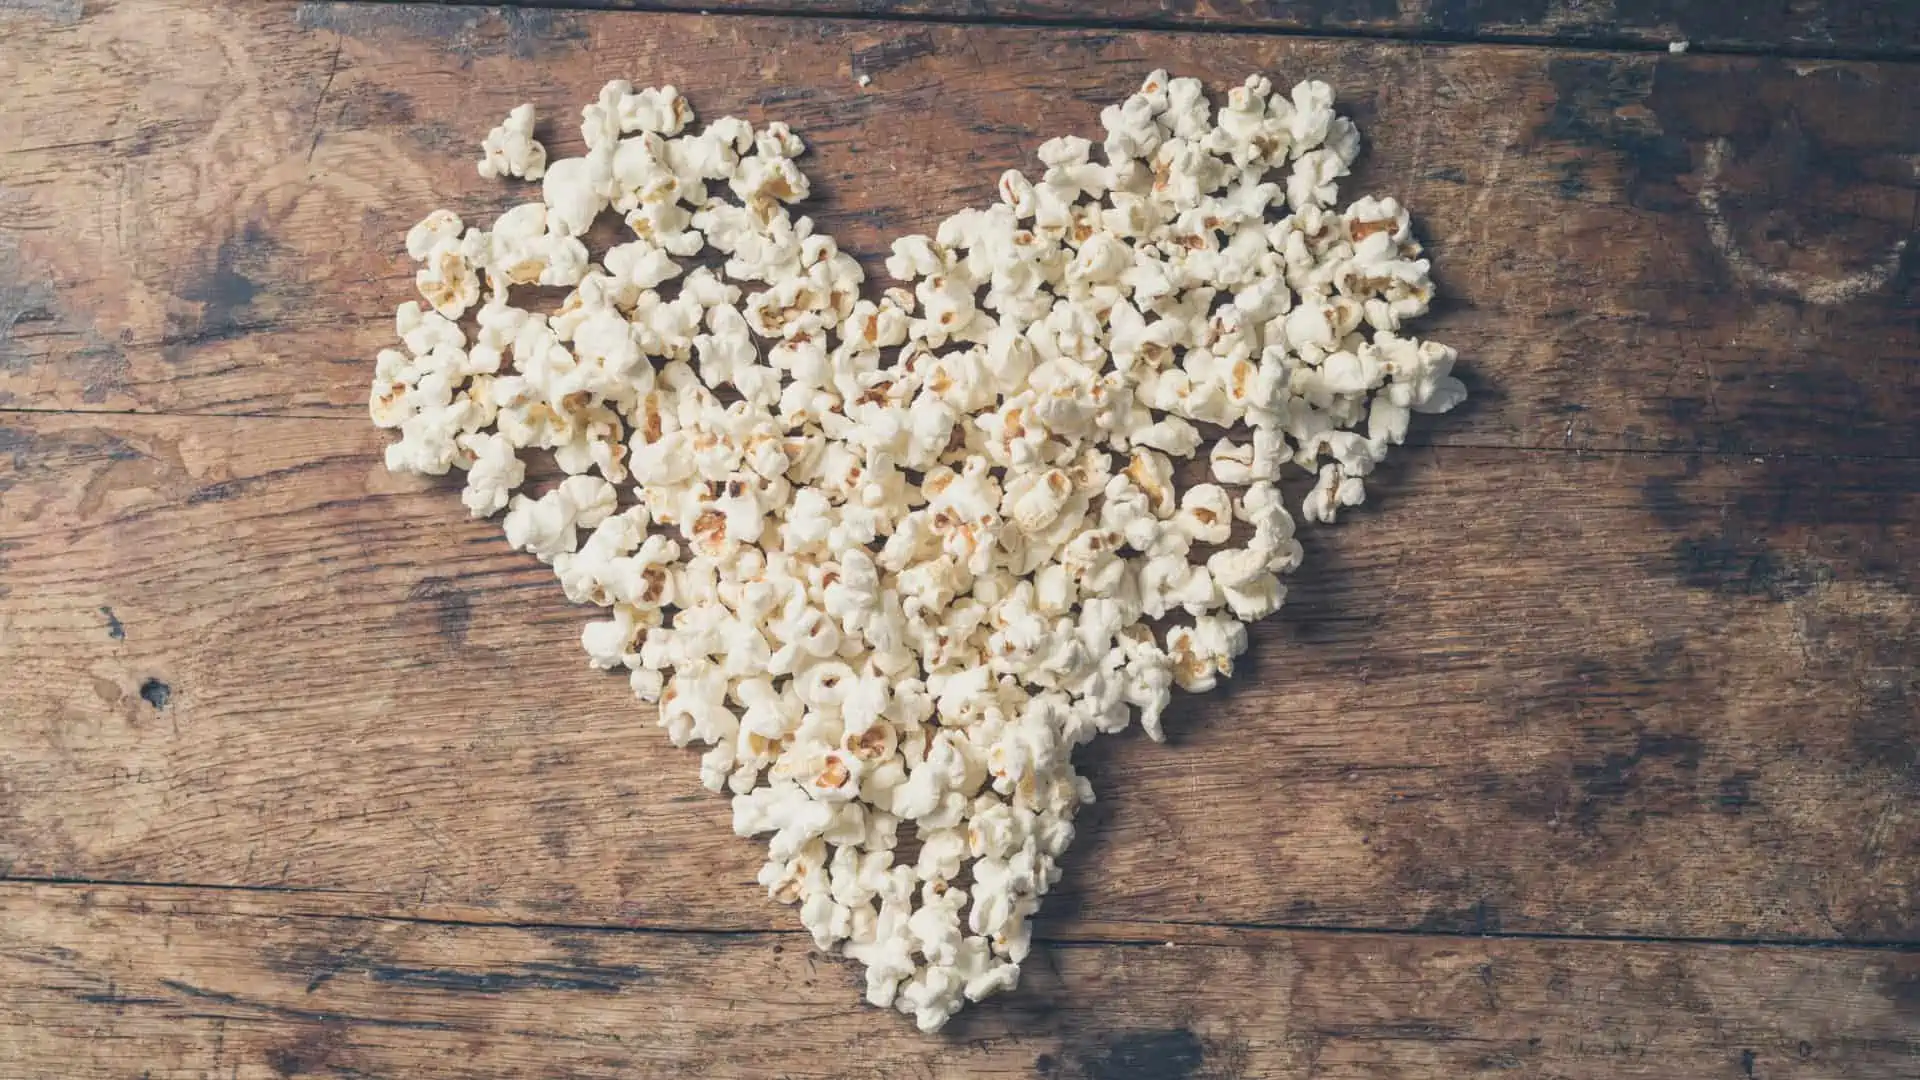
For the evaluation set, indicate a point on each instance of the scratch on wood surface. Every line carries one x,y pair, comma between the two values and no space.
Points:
333,70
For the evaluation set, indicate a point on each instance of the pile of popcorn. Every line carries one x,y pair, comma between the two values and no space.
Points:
891,559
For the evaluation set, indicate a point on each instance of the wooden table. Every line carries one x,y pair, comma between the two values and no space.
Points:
1588,749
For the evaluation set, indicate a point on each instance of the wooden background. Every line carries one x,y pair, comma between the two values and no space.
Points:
1589,749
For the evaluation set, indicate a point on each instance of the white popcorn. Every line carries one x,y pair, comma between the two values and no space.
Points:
892,558
447,278
496,470
510,149
574,189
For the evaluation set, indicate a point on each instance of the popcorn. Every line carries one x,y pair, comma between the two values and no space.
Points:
510,149
892,558
493,474
447,280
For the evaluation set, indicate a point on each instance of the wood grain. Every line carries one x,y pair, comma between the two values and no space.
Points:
189,983
1624,694
1624,650
1638,252
1819,27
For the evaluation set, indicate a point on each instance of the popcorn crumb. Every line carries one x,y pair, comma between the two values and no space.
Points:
864,79
1678,47
888,560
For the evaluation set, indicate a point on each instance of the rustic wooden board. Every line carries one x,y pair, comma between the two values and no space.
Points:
1525,691
1815,27
190,983
1640,252
1625,649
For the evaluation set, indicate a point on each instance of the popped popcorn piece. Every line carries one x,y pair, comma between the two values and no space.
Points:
495,471
511,150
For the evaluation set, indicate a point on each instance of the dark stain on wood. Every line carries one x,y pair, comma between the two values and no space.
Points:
1175,1054
1572,185
60,12
15,444
364,105
1465,18
452,608
1660,494
467,32
1786,532
1620,768
114,630
1611,783
1717,564
224,292
319,962
1900,982
1601,103
310,1052
1736,791
1481,917
156,693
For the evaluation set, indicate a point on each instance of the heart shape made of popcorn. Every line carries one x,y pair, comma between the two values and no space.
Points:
892,559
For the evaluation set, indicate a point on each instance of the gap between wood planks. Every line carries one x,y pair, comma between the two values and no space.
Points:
1620,43
1156,938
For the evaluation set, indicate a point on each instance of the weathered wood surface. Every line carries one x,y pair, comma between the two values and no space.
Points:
1626,648
1817,27
1639,252
234,985
1624,694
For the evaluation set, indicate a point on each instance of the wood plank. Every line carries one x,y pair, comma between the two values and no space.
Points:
201,985
1641,252
1615,694
1823,27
